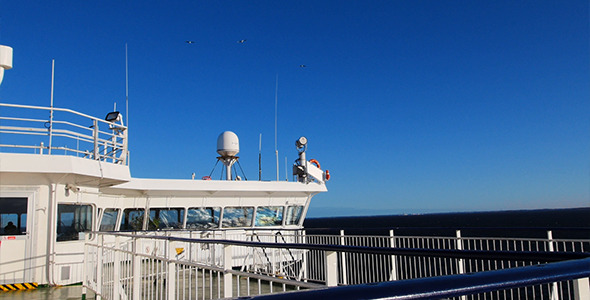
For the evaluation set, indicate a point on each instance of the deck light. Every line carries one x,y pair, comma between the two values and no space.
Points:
112,116
301,142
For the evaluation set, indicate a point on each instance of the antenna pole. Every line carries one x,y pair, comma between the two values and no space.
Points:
260,158
126,87
276,113
51,107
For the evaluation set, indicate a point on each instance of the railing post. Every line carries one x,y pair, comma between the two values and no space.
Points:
117,268
171,272
554,293
125,145
393,273
85,266
99,265
305,274
343,258
461,261
227,276
95,135
41,148
582,288
331,268
136,269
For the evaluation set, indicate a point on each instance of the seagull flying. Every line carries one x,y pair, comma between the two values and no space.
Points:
241,41
190,42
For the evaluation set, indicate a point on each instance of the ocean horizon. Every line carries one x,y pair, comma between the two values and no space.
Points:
570,222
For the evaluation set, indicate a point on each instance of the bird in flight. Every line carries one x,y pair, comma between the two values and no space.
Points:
190,42
241,41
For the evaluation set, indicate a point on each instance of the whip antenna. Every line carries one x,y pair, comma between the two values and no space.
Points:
126,87
260,158
276,109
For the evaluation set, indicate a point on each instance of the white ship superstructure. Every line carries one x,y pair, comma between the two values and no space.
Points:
68,174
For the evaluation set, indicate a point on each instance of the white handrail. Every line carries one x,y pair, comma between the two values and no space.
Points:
104,145
62,110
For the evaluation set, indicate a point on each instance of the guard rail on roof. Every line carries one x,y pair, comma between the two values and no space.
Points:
59,131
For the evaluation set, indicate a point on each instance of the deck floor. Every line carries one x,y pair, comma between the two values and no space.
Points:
48,293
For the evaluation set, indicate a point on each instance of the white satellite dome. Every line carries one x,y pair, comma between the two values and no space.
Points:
228,144
5,60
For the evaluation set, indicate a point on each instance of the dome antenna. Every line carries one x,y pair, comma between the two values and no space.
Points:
228,145
5,60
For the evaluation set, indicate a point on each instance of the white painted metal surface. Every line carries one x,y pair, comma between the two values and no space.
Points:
85,184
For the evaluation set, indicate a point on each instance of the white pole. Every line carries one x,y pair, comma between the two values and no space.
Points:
51,106
260,158
276,114
126,87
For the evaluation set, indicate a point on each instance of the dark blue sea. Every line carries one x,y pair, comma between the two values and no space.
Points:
570,223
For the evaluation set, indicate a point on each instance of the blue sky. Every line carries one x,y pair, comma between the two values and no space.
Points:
413,106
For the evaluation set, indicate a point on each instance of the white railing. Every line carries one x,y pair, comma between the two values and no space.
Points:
152,266
203,264
408,267
59,131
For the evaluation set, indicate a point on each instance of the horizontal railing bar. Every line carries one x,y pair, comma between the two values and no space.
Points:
62,110
24,119
275,279
56,132
20,146
468,254
89,128
452,285
23,129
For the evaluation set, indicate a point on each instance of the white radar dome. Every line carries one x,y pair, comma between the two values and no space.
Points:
228,144
5,60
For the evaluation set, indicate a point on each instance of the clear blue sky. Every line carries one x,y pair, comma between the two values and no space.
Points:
413,106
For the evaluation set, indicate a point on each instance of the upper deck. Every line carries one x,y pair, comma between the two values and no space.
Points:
56,141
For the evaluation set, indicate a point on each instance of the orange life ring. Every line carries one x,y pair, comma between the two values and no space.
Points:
315,162
327,175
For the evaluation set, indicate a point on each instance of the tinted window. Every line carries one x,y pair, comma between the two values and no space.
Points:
13,216
109,219
203,217
71,220
269,216
165,218
293,215
237,216
132,219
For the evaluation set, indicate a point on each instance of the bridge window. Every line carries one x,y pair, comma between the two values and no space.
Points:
71,220
203,217
166,218
109,219
269,216
293,215
237,216
13,216
132,219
